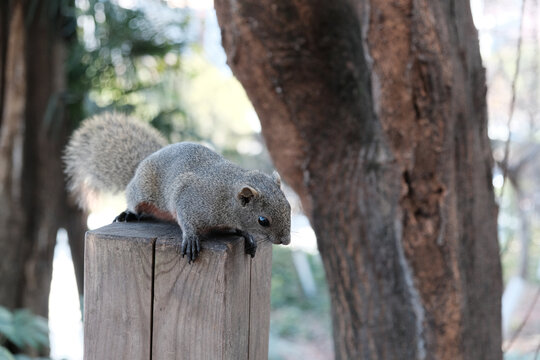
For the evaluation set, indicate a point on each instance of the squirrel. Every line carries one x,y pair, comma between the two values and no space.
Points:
185,182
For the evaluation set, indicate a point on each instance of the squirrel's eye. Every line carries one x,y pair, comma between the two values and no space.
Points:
264,221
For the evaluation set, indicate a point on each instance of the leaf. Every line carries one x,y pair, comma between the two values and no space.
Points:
6,322
26,357
29,330
5,354
23,357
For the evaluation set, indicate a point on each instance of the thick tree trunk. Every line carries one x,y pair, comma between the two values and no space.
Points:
375,113
33,133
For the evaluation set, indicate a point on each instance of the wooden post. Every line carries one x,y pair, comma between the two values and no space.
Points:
142,300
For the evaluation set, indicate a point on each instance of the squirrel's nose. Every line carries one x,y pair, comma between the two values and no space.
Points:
284,240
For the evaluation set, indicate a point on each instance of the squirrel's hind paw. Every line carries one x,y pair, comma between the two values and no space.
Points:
127,216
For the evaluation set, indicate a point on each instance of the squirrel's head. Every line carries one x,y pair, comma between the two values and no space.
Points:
264,211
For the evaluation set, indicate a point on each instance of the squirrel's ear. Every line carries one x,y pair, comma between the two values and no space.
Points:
276,178
247,194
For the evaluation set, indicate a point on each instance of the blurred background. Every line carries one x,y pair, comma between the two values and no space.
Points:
162,62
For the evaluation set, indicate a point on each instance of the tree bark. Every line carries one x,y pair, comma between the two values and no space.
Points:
33,133
375,113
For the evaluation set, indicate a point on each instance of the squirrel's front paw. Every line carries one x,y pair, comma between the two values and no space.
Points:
190,247
250,245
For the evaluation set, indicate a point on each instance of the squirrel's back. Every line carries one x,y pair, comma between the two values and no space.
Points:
104,153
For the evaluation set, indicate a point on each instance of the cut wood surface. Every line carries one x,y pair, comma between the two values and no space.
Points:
143,300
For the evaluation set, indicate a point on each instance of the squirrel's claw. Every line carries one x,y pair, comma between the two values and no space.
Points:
250,245
190,247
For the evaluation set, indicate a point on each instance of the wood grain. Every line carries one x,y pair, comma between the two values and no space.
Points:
201,310
118,290
143,300
259,321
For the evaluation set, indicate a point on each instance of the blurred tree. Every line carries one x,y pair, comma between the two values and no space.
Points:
33,50
515,171
61,62
375,113
122,57
511,48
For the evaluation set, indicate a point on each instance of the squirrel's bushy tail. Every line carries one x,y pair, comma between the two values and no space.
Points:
103,154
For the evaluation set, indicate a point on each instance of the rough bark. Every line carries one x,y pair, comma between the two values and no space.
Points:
33,133
375,113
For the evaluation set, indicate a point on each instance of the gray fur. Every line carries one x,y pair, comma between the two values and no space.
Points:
184,182
104,152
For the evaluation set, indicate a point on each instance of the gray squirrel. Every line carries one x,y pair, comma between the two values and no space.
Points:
184,182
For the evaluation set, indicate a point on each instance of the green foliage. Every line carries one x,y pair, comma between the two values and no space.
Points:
141,61
286,289
218,112
121,56
25,357
294,315
5,354
23,330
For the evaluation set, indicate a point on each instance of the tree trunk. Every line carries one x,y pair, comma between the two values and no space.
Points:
43,167
75,225
375,113
524,233
33,133
13,246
